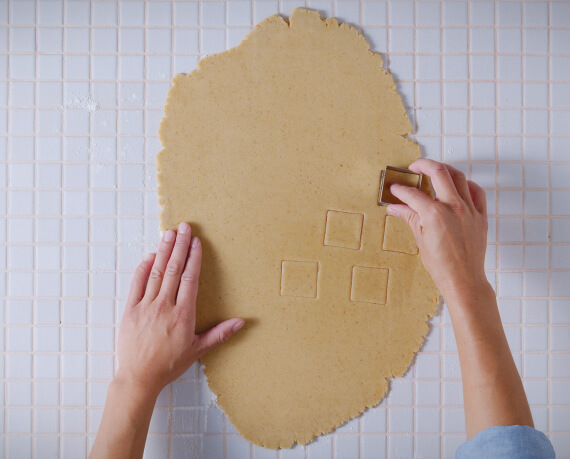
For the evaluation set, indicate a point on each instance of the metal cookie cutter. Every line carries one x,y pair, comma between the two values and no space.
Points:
399,175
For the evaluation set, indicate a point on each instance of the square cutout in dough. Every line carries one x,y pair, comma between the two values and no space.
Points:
369,285
343,229
398,237
299,278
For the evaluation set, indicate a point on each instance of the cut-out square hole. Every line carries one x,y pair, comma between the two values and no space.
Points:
299,278
369,285
343,229
398,237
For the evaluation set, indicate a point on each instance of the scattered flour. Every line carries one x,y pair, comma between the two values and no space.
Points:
86,103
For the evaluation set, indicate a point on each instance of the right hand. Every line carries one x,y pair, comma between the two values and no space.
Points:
450,231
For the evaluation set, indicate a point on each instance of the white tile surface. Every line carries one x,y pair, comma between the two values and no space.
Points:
78,125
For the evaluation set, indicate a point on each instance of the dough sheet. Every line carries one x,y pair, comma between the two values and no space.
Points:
272,152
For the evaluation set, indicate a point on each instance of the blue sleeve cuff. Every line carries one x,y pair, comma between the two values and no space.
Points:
521,442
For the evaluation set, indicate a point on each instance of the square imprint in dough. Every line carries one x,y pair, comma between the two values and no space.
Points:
299,278
398,237
369,285
343,229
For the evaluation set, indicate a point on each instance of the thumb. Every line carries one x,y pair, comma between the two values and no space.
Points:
410,216
217,335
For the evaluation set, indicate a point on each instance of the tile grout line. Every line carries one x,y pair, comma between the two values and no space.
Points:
469,171
333,435
35,226
452,134
387,65
61,221
305,448
116,163
7,275
146,173
360,438
116,304
200,382
80,217
443,305
523,165
164,81
549,303
496,145
89,236
415,104
225,419
373,26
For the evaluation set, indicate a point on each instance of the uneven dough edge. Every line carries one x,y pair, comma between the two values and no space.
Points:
169,219
383,383
166,218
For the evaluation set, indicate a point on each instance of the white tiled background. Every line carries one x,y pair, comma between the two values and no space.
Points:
81,89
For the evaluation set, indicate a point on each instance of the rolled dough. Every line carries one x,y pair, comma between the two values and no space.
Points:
272,151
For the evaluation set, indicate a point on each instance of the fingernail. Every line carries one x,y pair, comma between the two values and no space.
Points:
183,228
148,256
168,236
194,241
392,211
238,325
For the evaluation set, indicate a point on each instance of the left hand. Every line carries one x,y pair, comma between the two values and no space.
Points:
157,338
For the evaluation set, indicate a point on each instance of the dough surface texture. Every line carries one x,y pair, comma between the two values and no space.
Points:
272,152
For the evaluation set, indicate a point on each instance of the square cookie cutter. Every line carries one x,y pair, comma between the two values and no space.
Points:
392,175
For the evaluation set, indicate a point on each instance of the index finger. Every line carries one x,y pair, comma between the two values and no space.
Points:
415,199
440,178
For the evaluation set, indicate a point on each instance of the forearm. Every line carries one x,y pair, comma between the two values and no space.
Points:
492,389
125,421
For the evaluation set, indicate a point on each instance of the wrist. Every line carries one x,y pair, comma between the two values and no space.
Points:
133,389
466,292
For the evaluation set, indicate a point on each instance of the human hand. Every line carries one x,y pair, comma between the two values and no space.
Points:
450,231
157,339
